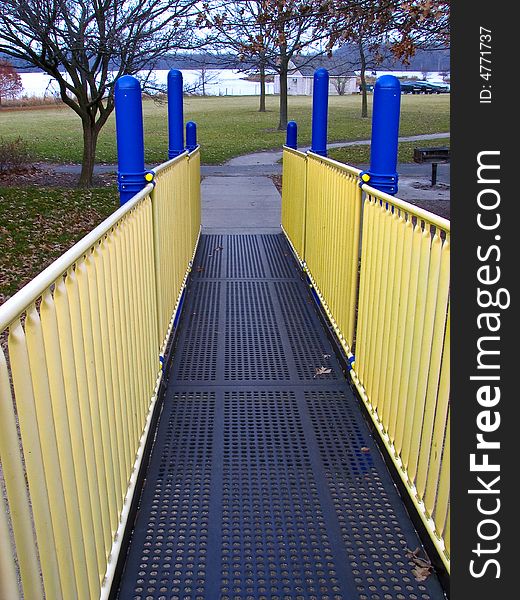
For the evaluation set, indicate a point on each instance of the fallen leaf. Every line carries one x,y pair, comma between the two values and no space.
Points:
421,573
322,371
423,567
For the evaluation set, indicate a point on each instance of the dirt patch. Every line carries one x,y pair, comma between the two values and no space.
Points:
35,176
277,180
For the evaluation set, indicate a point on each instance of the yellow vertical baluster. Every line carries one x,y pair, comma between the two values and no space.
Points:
103,390
62,425
8,576
401,333
440,512
387,357
71,451
14,475
49,445
404,409
120,366
108,277
79,336
414,402
95,380
431,482
391,367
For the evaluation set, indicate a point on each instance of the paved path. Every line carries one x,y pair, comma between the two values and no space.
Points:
240,195
240,204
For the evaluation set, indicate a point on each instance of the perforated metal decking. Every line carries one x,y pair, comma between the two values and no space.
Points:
264,481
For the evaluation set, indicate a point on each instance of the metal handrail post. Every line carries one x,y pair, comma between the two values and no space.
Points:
382,173
320,101
131,173
291,140
191,136
175,114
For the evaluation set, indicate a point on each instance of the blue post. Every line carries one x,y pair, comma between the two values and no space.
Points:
130,137
291,139
191,136
382,174
320,100
175,114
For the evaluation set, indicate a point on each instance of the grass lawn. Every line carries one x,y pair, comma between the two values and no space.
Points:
227,126
356,155
38,224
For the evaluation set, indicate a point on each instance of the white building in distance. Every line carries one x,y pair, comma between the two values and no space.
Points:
300,82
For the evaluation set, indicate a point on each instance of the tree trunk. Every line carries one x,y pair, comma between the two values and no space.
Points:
364,100
262,89
90,136
282,126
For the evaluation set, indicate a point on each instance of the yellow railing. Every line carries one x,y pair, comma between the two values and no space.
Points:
294,197
332,230
398,345
79,374
402,347
176,230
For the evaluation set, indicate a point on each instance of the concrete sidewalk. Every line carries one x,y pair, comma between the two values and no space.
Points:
240,196
240,204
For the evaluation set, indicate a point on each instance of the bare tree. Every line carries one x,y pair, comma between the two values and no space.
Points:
10,81
205,77
340,84
235,28
267,33
359,23
291,28
86,45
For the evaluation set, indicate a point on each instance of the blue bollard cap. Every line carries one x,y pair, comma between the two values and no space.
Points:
321,72
128,82
191,136
291,139
388,82
174,74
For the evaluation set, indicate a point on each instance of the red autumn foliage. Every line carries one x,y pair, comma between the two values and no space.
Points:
10,81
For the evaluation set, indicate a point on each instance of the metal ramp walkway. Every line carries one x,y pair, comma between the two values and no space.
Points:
264,481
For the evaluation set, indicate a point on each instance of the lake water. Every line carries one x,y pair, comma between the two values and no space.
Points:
219,82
